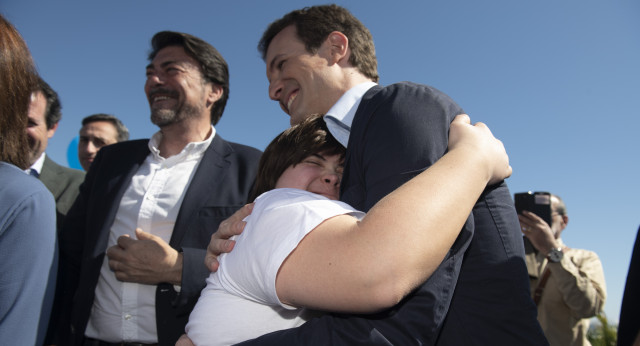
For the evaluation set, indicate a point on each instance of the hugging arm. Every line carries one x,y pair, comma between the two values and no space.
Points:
368,265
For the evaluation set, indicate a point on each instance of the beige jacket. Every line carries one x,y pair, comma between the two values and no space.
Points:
574,293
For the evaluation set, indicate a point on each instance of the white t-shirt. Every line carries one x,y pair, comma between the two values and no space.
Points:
240,300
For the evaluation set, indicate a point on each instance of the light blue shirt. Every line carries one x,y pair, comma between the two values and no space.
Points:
340,117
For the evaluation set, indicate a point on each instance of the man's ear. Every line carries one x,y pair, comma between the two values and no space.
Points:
214,94
339,44
52,130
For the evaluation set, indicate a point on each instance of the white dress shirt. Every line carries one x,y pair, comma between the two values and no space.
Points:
340,116
37,166
124,311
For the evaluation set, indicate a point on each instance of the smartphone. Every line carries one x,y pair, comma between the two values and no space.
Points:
538,203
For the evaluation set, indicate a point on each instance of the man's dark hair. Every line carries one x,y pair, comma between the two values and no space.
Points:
123,132
214,68
53,110
290,148
313,26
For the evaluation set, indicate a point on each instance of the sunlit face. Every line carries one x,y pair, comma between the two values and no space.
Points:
558,221
94,136
175,87
301,82
318,173
37,131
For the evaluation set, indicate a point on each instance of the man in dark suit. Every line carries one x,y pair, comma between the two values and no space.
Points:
151,206
44,116
321,60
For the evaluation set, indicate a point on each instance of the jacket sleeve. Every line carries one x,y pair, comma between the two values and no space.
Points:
581,282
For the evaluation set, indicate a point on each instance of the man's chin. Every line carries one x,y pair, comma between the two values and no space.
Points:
297,119
163,117
33,157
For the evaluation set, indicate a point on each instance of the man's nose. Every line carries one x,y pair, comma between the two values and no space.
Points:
275,90
95,148
154,79
90,148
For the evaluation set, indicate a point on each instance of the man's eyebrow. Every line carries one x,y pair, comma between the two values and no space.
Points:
162,64
167,63
273,61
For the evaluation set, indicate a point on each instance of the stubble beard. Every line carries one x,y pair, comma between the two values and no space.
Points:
34,147
165,117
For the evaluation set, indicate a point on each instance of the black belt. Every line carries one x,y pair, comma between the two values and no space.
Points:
95,342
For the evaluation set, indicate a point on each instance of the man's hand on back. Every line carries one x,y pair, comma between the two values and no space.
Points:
220,242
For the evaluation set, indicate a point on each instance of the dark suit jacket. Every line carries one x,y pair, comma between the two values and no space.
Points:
64,184
219,187
629,326
480,292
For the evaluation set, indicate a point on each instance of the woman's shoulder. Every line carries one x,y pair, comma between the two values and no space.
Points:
15,184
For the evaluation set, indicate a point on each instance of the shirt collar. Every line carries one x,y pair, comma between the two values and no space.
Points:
340,117
191,150
38,164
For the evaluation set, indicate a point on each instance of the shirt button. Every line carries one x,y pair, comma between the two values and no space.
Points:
127,317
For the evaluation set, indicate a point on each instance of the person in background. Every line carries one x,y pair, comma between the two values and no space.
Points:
322,60
27,209
135,240
569,282
99,130
629,326
63,183
44,117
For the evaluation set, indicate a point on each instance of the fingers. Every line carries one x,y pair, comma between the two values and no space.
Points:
479,139
529,217
124,241
211,262
220,242
215,248
234,224
142,235
115,252
116,256
462,118
184,341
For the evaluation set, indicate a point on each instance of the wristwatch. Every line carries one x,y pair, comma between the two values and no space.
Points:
555,255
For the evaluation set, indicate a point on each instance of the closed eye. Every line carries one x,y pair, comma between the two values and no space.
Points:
281,64
313,162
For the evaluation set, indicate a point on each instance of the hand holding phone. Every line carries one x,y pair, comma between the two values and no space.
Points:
538,203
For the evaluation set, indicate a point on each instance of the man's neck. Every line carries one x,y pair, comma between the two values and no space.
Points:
176,136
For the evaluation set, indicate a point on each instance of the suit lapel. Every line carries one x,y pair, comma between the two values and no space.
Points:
49,177
357,118
209,174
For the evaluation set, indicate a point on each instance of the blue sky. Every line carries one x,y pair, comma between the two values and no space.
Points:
557,81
